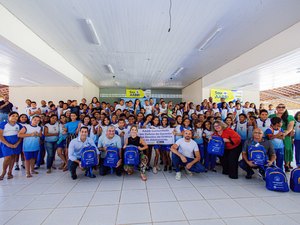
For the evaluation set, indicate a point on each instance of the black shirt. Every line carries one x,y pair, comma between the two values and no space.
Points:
7,109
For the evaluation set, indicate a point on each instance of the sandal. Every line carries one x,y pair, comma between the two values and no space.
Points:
34,172
143,177
65,169
2,177
28,175
10,176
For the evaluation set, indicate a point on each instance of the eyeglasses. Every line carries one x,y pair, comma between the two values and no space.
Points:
257,133
281,107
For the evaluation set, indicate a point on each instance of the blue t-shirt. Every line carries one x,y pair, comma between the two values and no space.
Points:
72,126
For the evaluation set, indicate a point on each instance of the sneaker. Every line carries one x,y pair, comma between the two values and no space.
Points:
23,166
154,170
74,176
48,171
178,176
17,167
188,172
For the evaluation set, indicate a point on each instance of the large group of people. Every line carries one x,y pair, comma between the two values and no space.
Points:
49,131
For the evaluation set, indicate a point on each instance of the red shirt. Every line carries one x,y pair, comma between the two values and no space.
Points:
233,136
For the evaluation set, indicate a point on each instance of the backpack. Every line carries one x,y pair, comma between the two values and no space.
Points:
295,180
276,180
112,157
131,155
89,156
257,154
216,146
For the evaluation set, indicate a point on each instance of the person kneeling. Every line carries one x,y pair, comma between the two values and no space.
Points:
75,152
249,164
185,152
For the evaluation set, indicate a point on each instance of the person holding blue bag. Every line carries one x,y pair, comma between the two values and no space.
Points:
232,150
249,164
111,152
75,151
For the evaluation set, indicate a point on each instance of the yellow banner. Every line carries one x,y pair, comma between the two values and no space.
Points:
217,94
134,93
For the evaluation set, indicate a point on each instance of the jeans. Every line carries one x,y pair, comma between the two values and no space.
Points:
279,157
249,170
103,170
72,167
297,151
50,149
41,156
3,117
201,149
196,168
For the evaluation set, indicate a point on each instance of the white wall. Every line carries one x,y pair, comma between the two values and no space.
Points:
193,93
90,90
18,95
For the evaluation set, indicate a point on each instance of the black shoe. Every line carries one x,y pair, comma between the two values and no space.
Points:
23,166
165,168
36,167
74,176
170,169
17,167
248,176
214,170
225,172
233,177
287,169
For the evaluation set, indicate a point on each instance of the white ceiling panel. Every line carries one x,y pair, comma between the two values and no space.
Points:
18,68
135,39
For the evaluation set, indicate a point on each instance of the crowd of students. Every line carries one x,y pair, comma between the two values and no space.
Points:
66,128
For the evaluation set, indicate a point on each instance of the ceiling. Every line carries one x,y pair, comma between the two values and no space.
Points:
280,72
135,40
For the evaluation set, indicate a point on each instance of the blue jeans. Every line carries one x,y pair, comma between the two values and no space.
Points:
209,159
196,168
41,156
201,149
3,117
50,149
249,170
279,157
297,151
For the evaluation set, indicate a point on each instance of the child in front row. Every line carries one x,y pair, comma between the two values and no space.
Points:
198,138
276,134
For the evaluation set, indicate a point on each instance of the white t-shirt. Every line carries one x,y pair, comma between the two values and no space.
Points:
187,148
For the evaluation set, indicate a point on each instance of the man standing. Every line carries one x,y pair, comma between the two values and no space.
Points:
5,108
185,152
257,139
110,140
75,147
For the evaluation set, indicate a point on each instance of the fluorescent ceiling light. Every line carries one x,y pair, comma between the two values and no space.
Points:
29,81
209,39
178,71
93,32
244,85
110,68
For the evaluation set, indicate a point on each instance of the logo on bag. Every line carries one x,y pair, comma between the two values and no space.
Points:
277,178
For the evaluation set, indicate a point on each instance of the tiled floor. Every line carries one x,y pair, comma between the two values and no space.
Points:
205,199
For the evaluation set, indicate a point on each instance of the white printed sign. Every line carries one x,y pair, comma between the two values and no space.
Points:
156,136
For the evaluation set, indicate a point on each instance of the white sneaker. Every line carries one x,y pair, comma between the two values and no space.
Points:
188,172
154,170
178,176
